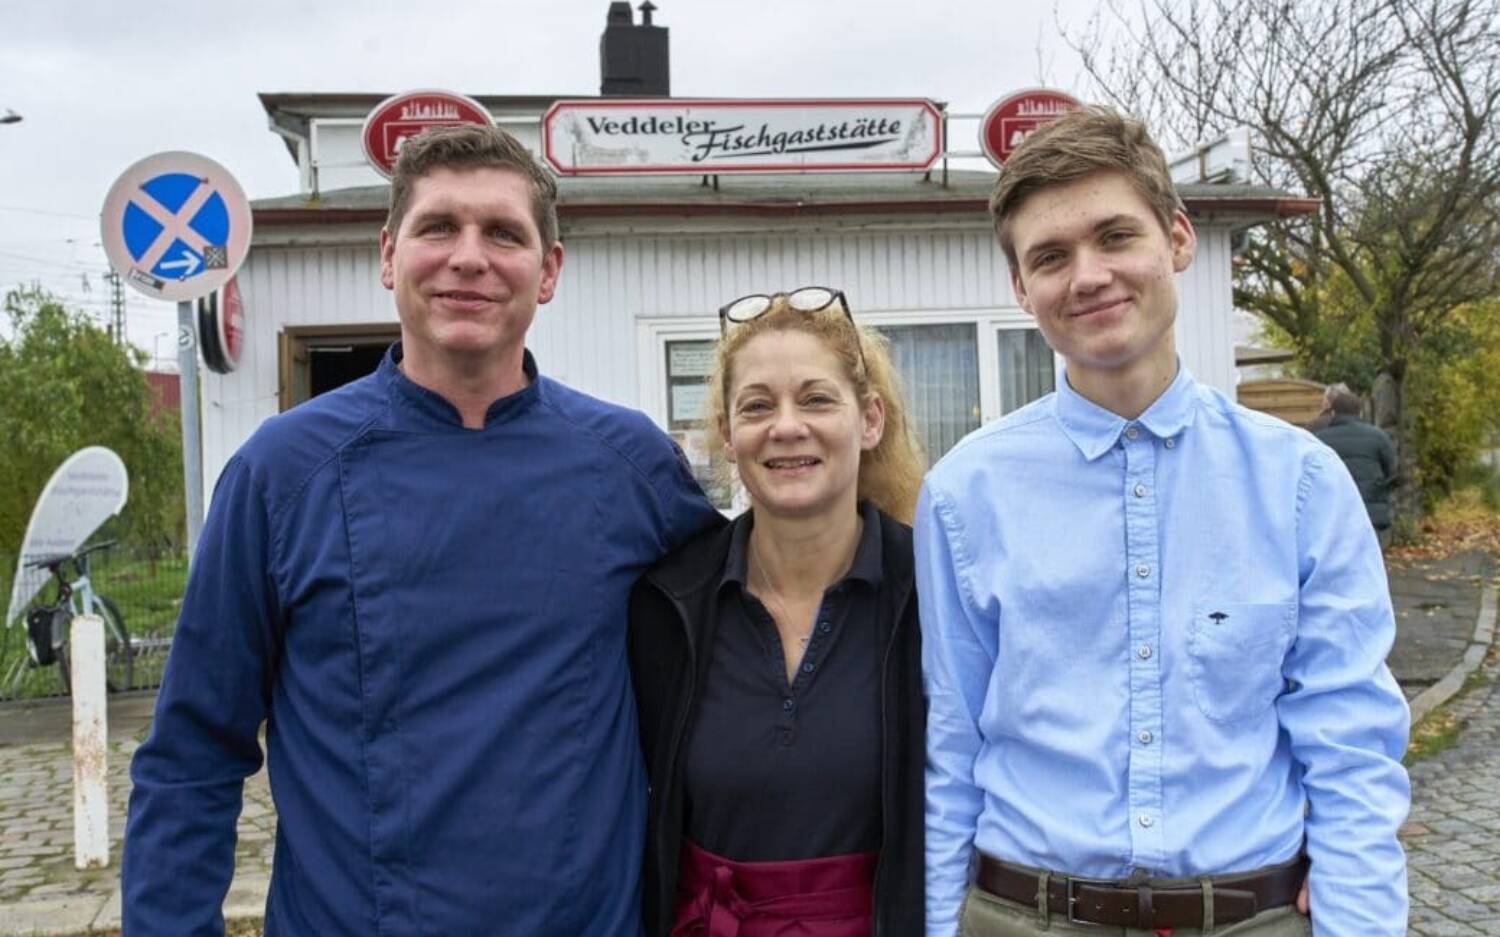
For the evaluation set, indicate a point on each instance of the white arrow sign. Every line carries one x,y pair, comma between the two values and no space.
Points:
187,263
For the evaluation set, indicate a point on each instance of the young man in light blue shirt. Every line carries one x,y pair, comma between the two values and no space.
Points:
1155,623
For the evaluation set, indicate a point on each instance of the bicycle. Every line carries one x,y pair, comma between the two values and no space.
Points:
47,624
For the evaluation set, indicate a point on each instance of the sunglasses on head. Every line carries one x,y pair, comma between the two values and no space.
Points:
808,299
803,299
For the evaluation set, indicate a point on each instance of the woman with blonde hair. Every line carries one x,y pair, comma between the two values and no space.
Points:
777,661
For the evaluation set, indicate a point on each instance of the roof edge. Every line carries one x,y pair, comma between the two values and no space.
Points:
1269,207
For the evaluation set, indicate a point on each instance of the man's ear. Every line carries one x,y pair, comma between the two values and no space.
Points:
1184,241
1018,287
387,259
552,259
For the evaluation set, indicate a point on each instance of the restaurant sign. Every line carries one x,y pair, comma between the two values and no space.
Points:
626,136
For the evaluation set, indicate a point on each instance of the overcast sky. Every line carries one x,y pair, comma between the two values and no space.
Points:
101,84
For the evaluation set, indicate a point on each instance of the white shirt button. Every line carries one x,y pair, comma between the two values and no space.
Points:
1146,821
1171,443
1143,570
1140,491
1144,651
1145,736
1131,432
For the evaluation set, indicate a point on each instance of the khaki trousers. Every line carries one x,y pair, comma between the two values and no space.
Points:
984,915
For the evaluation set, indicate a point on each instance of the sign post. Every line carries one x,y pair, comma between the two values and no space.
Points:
192,428
90,744
176,226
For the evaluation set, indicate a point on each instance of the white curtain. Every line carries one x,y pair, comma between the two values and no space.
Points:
939,366
1026,370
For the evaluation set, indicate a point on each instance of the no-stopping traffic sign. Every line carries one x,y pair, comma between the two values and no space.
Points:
175,226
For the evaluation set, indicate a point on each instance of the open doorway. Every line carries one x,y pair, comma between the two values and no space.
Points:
315,359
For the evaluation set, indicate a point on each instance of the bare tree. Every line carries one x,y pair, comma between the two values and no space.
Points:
1384,110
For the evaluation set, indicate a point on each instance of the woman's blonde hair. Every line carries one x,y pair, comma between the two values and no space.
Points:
891,473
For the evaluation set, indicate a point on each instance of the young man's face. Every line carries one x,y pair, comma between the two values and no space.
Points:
467,265
1095,269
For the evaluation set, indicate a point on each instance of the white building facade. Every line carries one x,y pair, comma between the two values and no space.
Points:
648,262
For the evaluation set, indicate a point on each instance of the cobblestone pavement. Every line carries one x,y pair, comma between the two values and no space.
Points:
40,890
1452,838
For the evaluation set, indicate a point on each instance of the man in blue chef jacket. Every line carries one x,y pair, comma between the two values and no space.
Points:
418,583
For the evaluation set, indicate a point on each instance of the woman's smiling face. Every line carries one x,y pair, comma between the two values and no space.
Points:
796,425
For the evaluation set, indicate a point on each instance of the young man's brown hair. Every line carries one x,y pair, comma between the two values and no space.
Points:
1080,143
471,146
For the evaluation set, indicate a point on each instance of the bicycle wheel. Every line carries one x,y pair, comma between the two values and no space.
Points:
61,649
119,653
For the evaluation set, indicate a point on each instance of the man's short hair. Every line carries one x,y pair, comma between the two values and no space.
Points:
1343,401
471,146
1080,143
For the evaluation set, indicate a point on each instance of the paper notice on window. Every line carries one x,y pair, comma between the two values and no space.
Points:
687,402
690,359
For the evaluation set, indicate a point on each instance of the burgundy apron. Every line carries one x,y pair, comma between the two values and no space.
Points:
718,897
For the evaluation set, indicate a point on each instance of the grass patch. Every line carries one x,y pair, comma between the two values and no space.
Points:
1440,729
1437,732
1462,520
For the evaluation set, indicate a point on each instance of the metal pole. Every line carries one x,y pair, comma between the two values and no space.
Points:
192,457
90,744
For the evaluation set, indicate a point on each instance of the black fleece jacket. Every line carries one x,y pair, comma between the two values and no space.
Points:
672,621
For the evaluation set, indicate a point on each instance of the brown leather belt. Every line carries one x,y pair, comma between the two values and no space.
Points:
1236,897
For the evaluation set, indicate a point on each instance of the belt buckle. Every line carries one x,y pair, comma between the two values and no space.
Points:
1073,900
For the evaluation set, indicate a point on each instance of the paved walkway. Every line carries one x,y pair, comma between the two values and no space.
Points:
40,890
1453,834
1453,837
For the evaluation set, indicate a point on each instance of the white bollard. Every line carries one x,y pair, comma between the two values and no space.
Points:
90,745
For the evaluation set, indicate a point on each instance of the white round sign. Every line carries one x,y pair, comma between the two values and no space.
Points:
176,226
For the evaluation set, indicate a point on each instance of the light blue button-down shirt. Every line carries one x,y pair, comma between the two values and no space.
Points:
1148,644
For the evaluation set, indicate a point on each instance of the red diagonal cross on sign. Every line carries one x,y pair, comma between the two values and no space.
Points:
174,226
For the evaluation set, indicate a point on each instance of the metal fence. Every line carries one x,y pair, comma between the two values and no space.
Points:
144,584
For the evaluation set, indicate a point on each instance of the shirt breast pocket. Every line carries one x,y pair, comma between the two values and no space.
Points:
1235,655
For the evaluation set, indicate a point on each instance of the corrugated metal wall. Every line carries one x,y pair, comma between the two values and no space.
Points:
587,335
1205,312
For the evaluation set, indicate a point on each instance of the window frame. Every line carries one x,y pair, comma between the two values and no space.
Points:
654,332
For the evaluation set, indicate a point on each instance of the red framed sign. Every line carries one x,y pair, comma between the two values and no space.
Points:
623,136
221,328
401,116
1010,119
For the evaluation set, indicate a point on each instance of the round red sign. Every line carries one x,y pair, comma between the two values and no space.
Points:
402,116
221,328
1010,119
232,323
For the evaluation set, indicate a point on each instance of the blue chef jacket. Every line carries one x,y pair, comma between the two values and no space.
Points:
430,621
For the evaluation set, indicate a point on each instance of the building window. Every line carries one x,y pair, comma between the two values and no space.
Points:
939,366
1026,368
689,364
